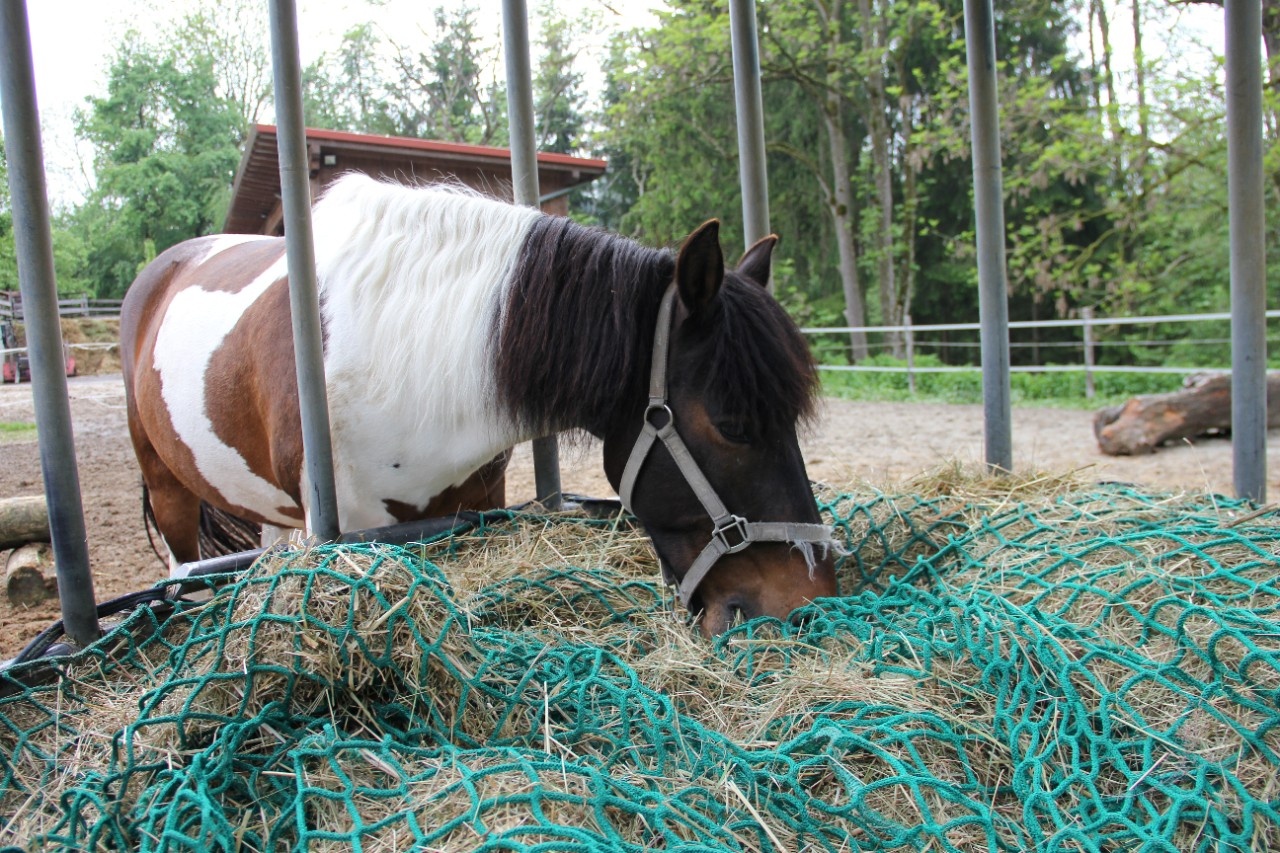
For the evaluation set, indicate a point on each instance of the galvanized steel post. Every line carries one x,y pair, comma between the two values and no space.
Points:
308,344
988,193
1245,182
524,180
34,246
752,167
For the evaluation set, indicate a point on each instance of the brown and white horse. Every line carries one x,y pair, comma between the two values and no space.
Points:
456,326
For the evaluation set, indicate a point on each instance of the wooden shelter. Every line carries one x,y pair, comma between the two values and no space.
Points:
255,196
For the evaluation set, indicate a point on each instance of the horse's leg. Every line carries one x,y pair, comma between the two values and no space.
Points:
177,514
175,508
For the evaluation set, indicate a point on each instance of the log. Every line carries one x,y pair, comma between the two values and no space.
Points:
1202,407
29,574
23,520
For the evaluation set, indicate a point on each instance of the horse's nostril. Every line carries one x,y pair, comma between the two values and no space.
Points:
801,618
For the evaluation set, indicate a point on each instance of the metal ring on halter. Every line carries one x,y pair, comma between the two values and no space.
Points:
659,407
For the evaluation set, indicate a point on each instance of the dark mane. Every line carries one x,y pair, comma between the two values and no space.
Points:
755,366
575,339
575,334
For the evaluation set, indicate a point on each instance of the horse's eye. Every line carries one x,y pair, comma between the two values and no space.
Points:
735,432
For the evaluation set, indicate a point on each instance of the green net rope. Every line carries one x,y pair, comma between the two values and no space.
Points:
1094,671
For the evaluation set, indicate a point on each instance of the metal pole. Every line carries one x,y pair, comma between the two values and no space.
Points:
308,343
33,243
1086,314
752,169
524,180
988,193
1245,181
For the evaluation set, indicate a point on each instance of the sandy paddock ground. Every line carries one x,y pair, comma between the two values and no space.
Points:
852,446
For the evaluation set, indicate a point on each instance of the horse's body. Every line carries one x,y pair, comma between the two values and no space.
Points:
454,327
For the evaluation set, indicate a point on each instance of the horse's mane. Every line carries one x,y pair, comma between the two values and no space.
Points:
416,274
552,322
576,338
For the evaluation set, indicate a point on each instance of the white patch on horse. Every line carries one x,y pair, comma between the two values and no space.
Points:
411,282
216,243
195,325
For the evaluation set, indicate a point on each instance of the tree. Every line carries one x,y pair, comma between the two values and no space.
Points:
450,91
232,34
8,255
558,99
165,151
349,90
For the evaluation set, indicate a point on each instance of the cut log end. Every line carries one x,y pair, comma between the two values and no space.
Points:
29,575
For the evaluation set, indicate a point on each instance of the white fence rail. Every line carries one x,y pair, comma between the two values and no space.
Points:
1088,345
80,306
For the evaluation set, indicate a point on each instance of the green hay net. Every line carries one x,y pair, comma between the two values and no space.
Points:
1093,671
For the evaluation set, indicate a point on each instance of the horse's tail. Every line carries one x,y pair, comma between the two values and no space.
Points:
220,531
224,533
149,524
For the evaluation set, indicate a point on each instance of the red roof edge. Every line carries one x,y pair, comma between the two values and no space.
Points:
404,142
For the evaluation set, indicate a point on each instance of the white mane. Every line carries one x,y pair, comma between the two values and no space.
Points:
411,280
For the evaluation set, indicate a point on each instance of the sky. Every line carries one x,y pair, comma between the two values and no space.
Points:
73,40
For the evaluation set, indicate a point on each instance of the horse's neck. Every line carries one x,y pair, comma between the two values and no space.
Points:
577,327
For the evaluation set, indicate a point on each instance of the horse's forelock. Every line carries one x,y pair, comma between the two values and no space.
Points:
755,363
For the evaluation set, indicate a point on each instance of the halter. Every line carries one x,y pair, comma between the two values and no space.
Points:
730,533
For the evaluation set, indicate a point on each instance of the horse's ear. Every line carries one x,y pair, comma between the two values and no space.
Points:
756,260
700,267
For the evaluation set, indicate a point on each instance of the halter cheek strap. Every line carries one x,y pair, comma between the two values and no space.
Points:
730,533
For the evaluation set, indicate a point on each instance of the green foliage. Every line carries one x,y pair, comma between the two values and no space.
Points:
166,147
8,256
347,90
559,102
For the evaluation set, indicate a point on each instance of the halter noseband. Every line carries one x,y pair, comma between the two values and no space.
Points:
730,533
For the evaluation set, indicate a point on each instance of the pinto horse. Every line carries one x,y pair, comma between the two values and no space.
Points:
456,326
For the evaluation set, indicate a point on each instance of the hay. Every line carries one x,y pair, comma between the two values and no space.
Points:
1024,654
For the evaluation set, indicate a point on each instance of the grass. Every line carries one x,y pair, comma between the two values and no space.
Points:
16,430
1057,390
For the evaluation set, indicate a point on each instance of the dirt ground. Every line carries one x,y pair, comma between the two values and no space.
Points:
853,445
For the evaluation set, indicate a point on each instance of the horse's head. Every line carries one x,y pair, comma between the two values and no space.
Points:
710,462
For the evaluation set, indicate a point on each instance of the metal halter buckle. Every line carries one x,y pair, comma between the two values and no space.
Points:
733,533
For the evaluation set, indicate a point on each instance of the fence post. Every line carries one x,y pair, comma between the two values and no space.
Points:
910,336
988,194
1247,215
33,244
304,305
1086,314
524,181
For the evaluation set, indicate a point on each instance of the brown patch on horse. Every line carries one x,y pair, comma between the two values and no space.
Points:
168,466
485,489
239,392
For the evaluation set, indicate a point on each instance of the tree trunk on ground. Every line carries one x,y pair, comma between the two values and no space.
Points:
1204,406
29,576
23,520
